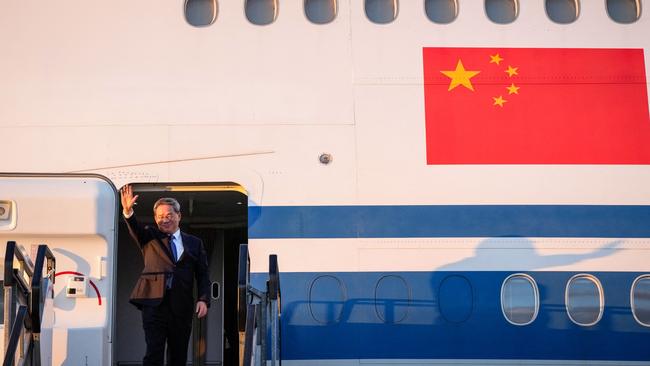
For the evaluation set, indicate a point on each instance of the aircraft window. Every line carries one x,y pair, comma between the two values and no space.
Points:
455,299
624,11
201,13
321,11
261,12
326,299
441,11
640,300
392,299
381,11
502,11
562,11
584,299
519,299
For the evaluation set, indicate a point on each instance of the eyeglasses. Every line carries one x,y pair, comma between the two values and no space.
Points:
168,216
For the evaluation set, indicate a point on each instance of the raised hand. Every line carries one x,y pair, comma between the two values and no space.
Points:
128,199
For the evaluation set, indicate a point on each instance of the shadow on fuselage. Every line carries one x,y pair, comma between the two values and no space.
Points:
455,310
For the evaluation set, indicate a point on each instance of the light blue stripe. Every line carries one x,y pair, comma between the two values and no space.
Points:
602,221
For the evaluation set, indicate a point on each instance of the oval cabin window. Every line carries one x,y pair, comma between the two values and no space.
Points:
584,298
392,299
640,300
326,299
562,11
441,11
455,299
201,13
624,11
502,11
261,12
520,299
320,11
381,11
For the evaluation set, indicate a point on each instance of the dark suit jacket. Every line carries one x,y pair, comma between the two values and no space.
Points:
159,269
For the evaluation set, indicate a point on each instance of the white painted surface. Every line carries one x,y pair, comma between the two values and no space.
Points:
157,100
75,217
453,254
88,63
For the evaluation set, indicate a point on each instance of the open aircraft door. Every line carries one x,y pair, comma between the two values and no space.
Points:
217,213
76,217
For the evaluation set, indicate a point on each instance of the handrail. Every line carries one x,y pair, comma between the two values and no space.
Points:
16,293
275,304
36,289
16,331
10,250
243,280
26,320
12,253
254,309
250,332
274,278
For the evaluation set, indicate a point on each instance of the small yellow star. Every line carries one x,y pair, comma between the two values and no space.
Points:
499,101
460,76
512,71
512,89
496,59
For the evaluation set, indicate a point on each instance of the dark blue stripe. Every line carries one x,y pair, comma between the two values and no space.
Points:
449,221
420,329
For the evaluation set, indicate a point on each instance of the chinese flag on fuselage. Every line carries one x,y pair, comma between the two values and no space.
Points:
536,106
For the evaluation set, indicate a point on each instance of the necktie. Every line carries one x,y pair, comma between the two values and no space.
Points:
172,246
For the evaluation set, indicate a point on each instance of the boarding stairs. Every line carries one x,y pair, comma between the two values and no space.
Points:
258,315
27,287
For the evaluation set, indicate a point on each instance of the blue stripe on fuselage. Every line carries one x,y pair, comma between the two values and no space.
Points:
340,317
603,221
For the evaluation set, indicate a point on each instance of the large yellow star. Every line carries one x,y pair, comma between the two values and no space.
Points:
512,89
460,76
496,59
512,71
499,101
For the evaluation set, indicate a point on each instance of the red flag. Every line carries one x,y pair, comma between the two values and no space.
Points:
536,106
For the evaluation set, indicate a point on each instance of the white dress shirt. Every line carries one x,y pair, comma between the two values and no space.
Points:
178,243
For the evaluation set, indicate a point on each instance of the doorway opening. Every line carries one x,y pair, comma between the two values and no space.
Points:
218,214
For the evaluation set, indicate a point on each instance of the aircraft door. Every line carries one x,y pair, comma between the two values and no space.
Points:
217,213
75,216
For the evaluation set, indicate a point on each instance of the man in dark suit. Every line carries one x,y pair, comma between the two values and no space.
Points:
164,291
